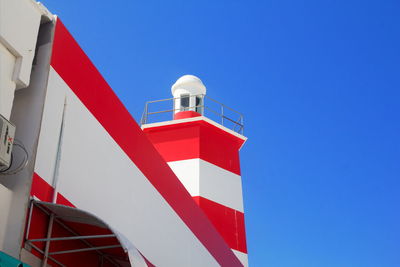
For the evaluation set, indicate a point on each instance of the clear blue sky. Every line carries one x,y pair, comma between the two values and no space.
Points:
319,85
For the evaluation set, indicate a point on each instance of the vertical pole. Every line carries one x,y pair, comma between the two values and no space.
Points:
146,109
55,185
58,155
241,122
202,104
222,114
28,227
173,108
192,102
47,248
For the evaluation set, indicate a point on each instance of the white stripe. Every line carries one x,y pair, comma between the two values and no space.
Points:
242,257
202,178
50,127
97,176
136,259
188,172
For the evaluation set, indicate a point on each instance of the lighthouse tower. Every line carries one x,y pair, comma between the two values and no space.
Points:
204,155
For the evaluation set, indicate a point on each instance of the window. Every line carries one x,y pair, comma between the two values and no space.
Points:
185,102
199,104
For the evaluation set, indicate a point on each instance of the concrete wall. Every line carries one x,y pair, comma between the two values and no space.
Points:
19,27
5,203
27,115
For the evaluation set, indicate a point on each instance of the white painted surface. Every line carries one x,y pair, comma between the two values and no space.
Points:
51,122
221,185
202,178
188,172
188,84
136,258
5,203
97,176
242,257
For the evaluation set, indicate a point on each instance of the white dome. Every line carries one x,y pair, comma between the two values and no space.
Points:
188,84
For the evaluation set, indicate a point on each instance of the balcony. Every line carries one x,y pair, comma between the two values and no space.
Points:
170,109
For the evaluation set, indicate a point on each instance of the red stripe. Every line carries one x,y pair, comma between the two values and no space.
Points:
197,139
228,222
44,191
86,82
148,263
41,189
64,201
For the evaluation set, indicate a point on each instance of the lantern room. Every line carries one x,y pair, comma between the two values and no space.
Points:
188,92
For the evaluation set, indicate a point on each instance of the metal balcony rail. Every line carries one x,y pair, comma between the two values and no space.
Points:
158,110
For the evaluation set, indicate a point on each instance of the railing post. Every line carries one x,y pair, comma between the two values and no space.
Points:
241,124
222,115
146,111
202,105
173,108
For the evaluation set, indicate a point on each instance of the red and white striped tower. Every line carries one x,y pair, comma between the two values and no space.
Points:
205,157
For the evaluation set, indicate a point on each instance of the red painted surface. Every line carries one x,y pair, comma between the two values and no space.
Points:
64,201
149,264
186,114
197,139
228,222
176,142
76,69
38,229
41,189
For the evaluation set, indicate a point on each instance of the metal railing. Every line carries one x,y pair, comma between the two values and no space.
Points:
159,110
